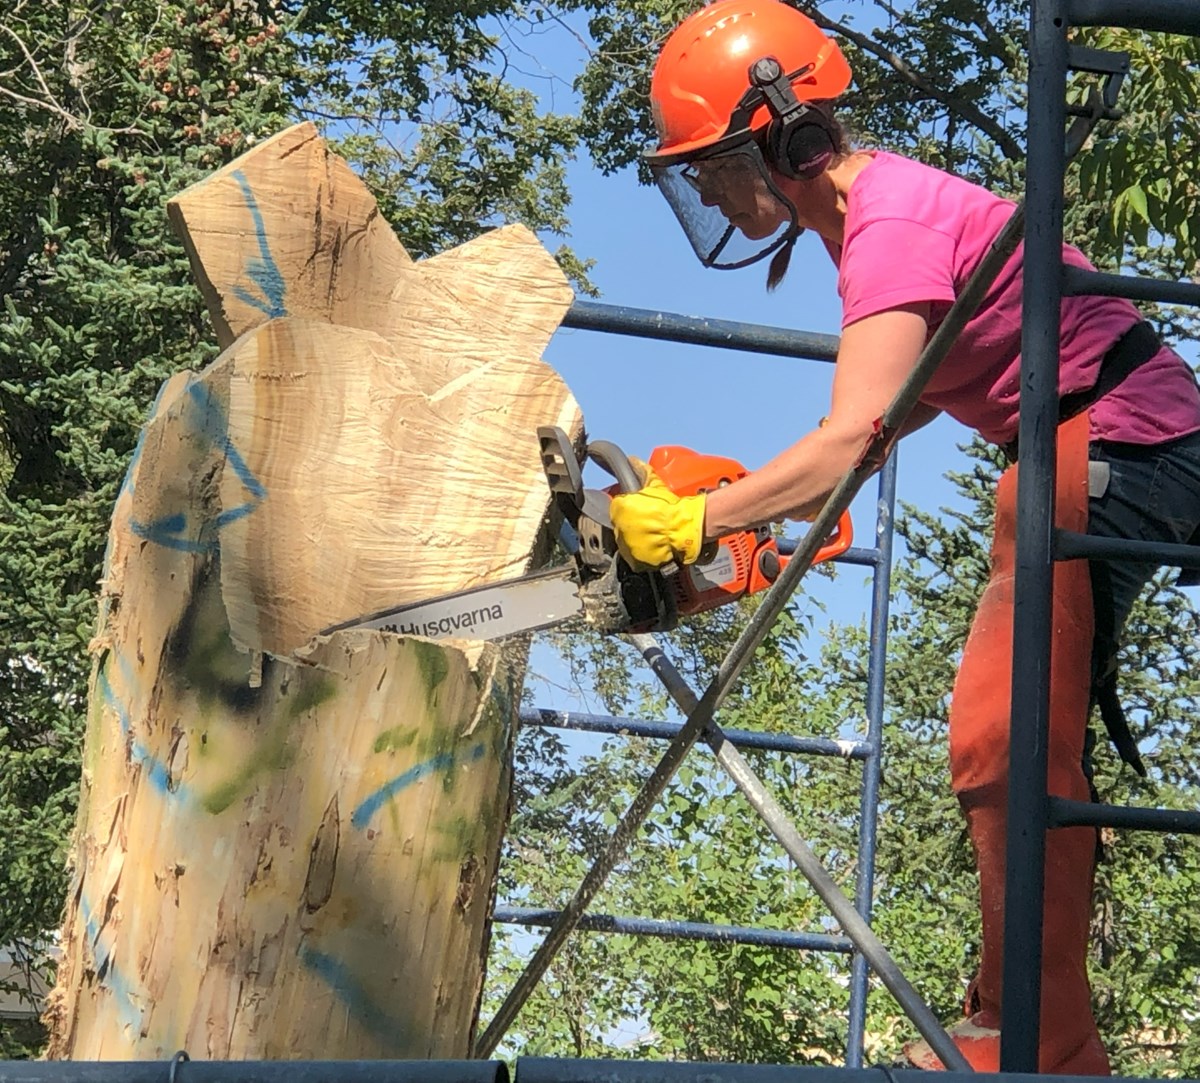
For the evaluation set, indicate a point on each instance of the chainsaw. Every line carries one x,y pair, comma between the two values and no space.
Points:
598,584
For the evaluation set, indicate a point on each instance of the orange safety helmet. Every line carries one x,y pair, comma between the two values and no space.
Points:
703,73
733,96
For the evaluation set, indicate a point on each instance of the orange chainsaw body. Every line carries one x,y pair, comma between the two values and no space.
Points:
737,564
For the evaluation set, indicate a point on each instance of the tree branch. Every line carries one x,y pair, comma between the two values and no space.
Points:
49,102
1009,147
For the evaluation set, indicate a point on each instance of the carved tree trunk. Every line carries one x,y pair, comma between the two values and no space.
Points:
287,842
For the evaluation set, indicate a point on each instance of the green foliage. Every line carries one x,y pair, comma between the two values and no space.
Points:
424,102
1145,170
108,113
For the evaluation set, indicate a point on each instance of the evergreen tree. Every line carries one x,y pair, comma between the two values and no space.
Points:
107,112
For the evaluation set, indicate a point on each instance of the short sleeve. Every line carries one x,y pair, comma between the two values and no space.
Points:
891,262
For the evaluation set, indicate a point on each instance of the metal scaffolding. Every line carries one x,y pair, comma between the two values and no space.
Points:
866,749
1037,222
1031,811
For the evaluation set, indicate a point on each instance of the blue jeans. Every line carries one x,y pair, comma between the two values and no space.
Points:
1153,494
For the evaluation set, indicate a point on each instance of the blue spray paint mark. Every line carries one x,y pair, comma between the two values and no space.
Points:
172,531
363,1010
263,271
167,532
155,771
110,698
113,980
442,762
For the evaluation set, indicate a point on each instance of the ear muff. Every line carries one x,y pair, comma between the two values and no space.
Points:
801,148
800,139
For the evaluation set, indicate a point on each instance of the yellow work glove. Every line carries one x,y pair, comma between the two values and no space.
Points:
654,526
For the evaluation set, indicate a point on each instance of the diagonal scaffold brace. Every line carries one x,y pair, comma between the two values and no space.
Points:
700,711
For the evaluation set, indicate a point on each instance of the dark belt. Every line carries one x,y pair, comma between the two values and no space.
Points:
1131,350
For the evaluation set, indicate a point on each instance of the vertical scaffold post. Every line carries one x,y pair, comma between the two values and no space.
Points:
1037,433
869,820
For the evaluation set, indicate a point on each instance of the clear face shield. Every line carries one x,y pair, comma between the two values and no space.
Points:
731,210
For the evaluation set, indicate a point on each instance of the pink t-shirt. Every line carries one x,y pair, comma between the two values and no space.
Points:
914,233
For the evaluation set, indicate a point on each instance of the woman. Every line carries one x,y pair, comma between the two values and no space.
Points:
749,156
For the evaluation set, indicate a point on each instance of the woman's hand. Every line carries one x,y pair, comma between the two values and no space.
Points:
654,526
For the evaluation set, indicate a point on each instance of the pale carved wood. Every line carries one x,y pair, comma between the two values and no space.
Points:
286,844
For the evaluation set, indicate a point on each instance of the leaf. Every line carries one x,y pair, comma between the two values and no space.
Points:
1135,196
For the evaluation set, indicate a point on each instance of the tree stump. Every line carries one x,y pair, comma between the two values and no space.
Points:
287,842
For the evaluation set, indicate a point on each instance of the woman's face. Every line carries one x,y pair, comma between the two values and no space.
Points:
736,187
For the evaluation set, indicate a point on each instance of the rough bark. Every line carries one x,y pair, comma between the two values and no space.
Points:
287,842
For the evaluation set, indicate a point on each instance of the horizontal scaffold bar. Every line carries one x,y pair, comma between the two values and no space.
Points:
179,1070
682,930
1167,16
854,555
553,1070
665,731
1066,813
1080,282
1070,545
698,331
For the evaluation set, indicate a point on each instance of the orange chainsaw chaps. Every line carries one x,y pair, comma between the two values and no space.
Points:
979,760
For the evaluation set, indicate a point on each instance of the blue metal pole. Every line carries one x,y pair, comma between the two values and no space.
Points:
681,930
1168,16
701,331
869,811
182,1070
666,731
1077,280
1042,295
1067,813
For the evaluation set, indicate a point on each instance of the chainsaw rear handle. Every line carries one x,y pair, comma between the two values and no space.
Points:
839,541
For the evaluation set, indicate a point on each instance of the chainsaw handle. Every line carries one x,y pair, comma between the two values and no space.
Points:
841,540
611,458
838,542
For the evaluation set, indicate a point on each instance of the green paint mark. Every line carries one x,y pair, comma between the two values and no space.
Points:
439,742
312,693
95,714
274,752
431,659
395,739
459,836
224,794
